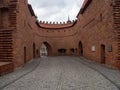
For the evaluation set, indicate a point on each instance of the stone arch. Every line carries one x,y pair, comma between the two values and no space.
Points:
80,46
46,49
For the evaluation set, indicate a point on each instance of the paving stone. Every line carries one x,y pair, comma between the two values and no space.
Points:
19,73
62,73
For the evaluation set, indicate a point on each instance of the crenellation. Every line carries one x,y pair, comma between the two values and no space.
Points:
57,23
43,22
50,23
53,22
46,22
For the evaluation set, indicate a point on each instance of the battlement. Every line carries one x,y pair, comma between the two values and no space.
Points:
46,24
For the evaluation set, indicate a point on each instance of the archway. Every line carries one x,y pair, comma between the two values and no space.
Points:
80,48
103,61
45,49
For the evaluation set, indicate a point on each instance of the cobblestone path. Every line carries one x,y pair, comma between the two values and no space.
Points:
62,73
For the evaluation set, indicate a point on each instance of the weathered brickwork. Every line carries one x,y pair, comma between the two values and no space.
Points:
97,25
95,29
94,35
116,17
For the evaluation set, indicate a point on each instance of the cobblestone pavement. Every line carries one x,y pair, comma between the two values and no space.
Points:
62,73
19,73
109,73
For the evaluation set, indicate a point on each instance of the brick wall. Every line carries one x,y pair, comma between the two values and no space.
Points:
93,35
116,18
96,29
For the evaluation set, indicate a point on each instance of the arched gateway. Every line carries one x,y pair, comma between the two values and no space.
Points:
45,49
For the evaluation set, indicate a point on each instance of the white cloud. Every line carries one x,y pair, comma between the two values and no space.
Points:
56,10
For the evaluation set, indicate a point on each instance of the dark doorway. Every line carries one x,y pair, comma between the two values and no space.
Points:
103,61
72,50
34,50
80,49
25,59
62,50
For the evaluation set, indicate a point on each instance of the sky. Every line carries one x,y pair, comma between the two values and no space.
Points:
56,10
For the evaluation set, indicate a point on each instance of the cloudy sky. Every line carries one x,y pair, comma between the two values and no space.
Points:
56,10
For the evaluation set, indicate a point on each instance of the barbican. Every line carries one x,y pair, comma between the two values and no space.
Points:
95,34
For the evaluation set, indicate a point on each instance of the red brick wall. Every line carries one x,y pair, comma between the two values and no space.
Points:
24,34
93,28
96,28
116,20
